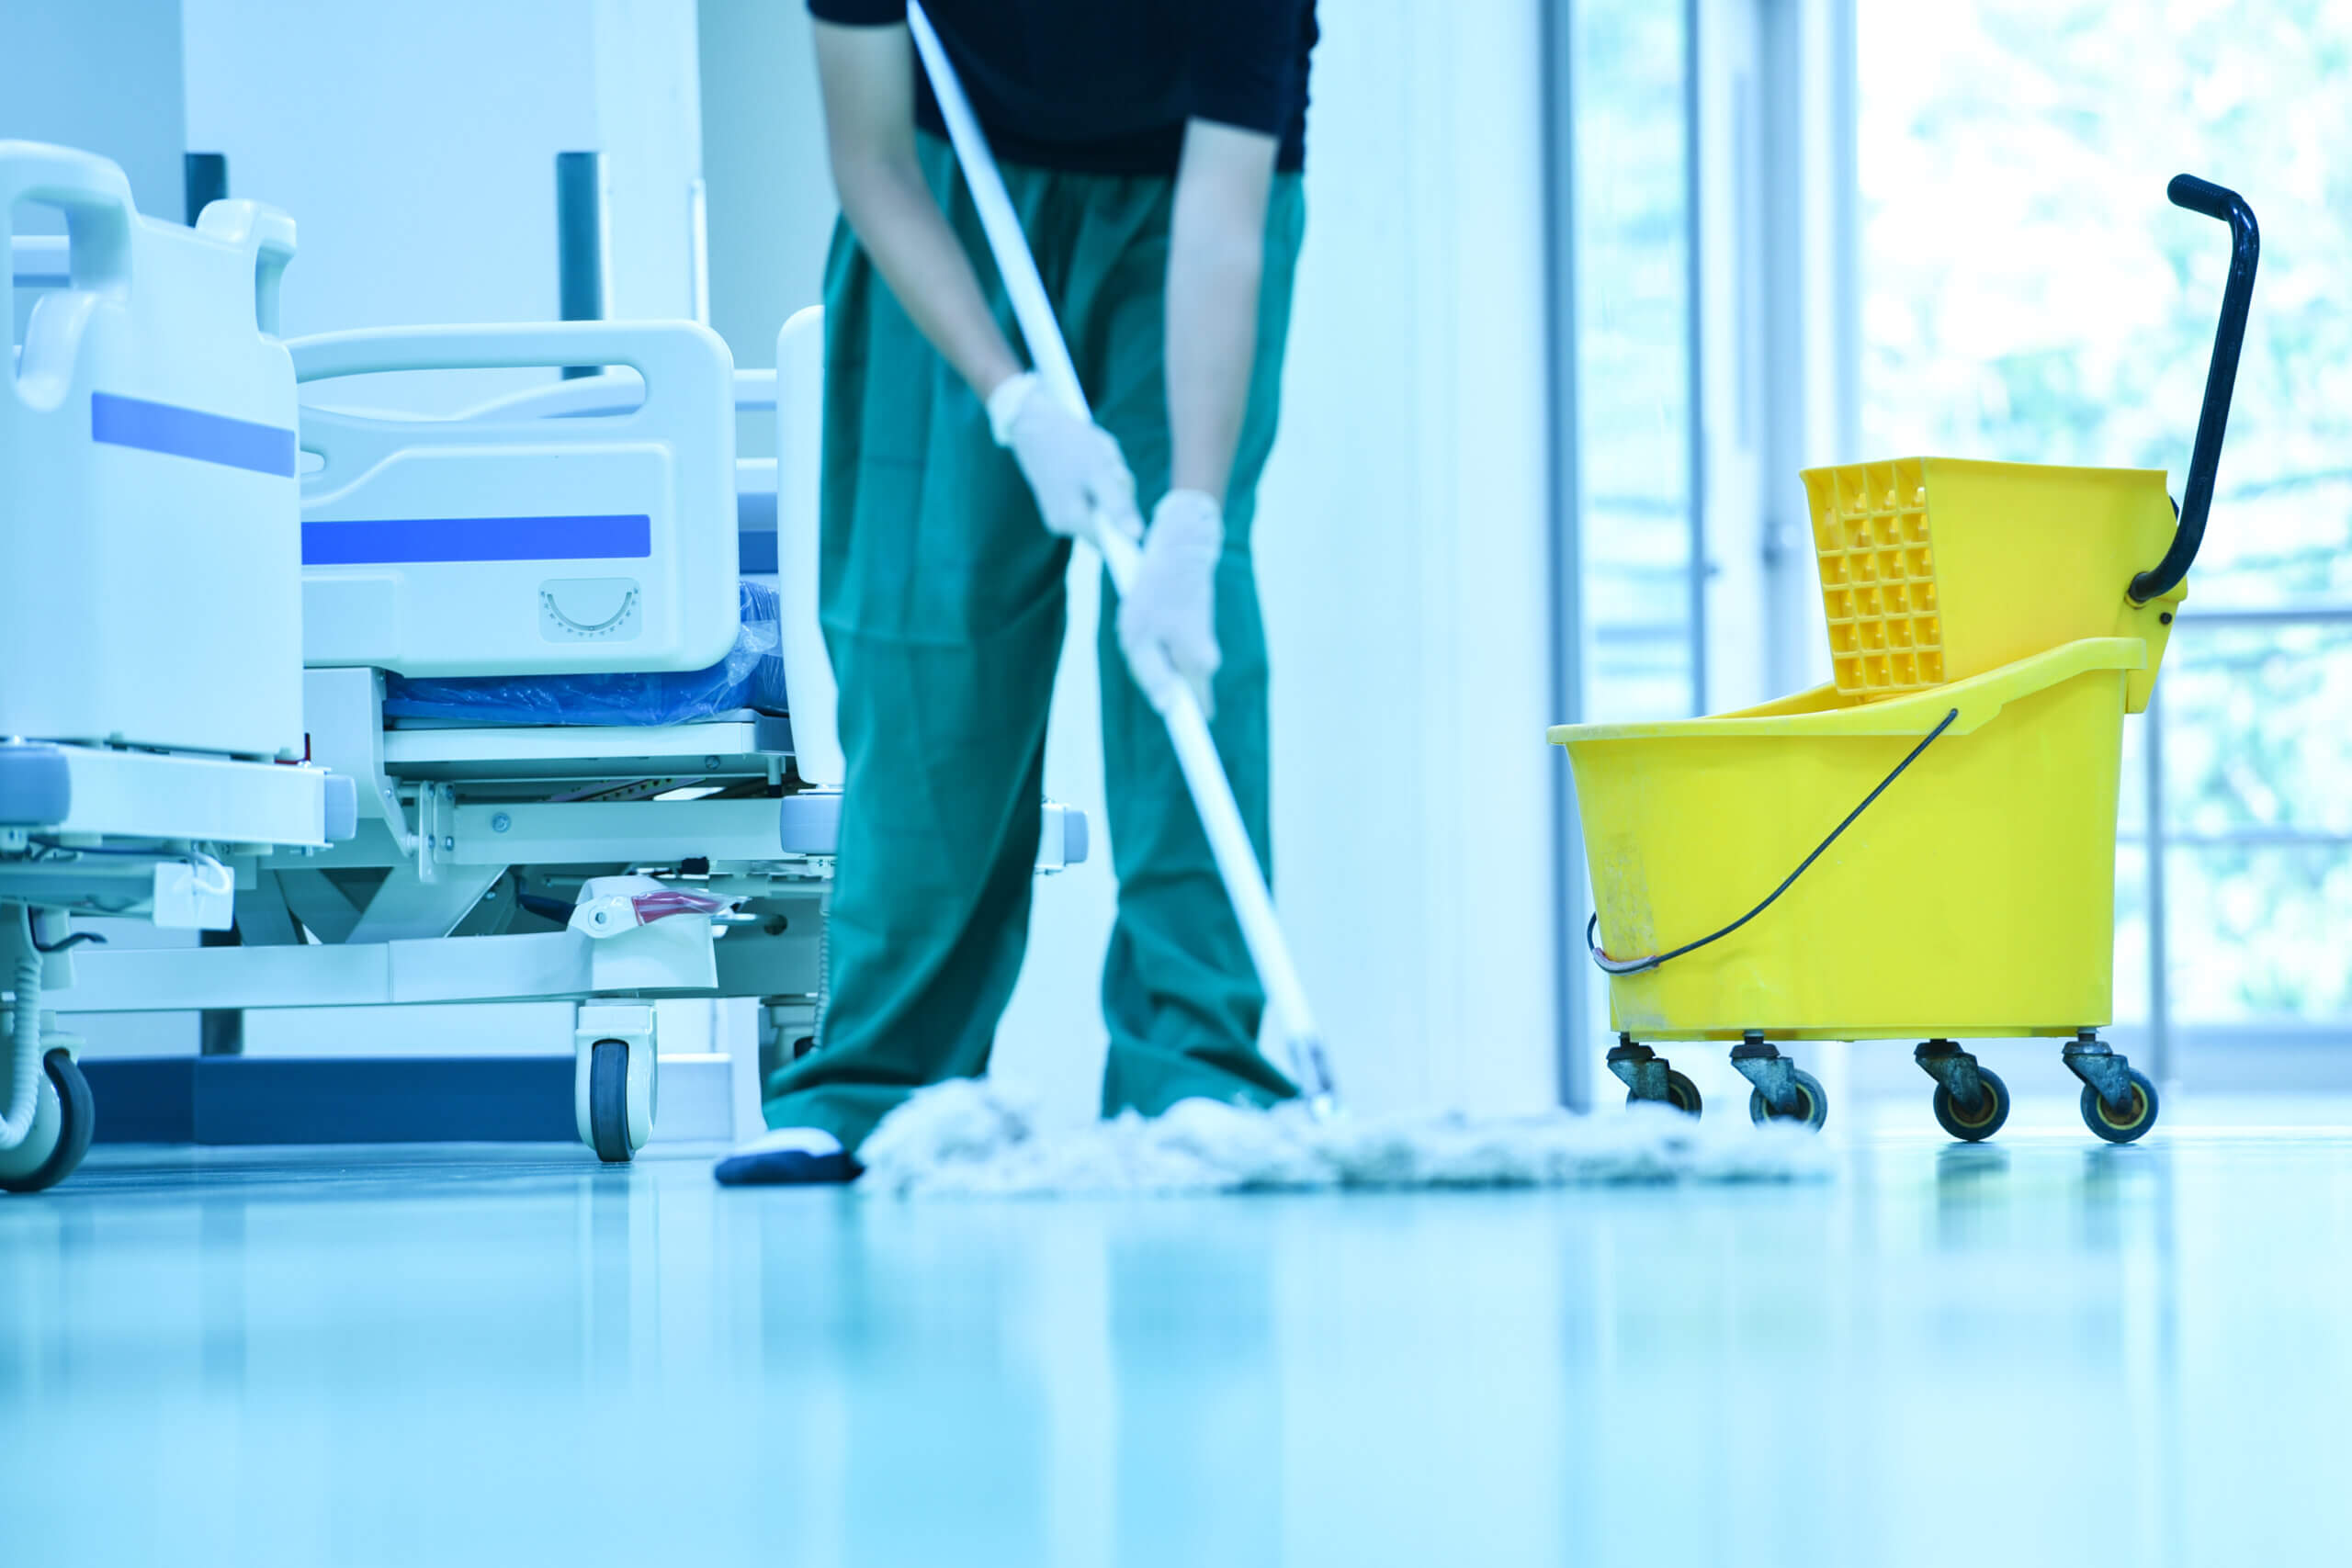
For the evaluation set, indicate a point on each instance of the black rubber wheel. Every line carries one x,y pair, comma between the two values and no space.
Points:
2097,1116
1817,1104
78,1113
1681,1093
608,1101
1987,1119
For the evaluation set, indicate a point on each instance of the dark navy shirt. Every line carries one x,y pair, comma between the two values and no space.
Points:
1104,86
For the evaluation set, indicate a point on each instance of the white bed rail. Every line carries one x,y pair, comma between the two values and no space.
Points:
800,447
513,544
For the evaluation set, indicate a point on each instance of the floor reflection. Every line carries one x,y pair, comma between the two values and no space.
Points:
509,1355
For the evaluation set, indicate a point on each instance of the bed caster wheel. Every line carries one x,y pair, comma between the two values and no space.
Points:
1816,1102
63,1120
609,1102
1975,1124
614,1086
2100,1118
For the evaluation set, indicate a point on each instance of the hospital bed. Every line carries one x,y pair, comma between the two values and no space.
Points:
581,531
152,756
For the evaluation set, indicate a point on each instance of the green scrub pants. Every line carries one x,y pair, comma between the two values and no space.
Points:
943,601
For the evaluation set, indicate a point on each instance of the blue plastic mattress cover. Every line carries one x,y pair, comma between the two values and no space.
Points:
750,676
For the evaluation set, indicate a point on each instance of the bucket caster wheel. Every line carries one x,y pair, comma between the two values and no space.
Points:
2101,1119
1681,1093
1649,1079
1992,1109
2118,1102
63,1120
1970,1100
1783,1091
1815,1108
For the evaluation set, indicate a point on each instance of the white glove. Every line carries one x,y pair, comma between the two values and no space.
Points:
1072,464
1167,619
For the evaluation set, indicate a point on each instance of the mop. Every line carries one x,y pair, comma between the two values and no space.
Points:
978,1136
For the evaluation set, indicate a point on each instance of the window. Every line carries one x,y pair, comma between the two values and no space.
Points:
2030,295
1633,270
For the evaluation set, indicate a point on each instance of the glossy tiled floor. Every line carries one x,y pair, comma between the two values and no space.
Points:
2046,1350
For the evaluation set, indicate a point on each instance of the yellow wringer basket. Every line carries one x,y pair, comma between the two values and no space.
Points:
1989,628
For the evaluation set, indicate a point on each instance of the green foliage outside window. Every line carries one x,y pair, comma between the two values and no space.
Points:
2031,296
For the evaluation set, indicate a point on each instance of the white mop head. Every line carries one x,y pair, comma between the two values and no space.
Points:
974,1138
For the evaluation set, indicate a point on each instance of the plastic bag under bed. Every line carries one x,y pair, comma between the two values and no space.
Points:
750,676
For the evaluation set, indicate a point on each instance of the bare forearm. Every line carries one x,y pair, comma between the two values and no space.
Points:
866,75
1215,262
888,203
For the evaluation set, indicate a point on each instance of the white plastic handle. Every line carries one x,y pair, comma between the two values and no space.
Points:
651,348
1187,729
264,232
93,193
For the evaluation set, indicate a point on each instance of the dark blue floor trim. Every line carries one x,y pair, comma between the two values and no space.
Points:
143,1100
245,1100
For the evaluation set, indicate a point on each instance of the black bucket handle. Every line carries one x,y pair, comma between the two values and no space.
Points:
2220,377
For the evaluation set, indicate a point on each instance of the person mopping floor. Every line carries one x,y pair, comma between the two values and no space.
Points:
1153,150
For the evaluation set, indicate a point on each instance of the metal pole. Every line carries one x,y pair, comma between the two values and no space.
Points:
1846,223
2152,742
698,250
1694,285
1572,1061
581,248
204,179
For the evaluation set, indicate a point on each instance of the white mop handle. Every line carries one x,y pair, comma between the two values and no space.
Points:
1187,729
1236,860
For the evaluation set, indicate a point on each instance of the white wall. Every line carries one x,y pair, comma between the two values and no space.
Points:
772,204
1402,545
649,124
415,147
105,78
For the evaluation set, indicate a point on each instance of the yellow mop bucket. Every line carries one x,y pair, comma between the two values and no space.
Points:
1989,629
1975,898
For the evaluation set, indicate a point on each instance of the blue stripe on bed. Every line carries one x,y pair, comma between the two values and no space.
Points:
412,540
189,432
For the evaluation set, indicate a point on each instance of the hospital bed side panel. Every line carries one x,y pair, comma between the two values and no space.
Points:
579,562
149,543
600,542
